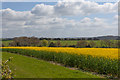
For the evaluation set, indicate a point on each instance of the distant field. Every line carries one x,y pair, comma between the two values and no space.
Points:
27,67
63,42
74,42
6,43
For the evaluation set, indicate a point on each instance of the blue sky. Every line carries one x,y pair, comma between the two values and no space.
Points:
56,24
23,6
26,6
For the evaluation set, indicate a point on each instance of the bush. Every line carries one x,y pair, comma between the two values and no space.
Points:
44,42
6,72
52,44
81,44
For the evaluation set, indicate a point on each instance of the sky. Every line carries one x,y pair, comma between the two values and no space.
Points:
65,18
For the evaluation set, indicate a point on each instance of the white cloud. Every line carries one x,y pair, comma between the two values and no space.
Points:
43,10
71,8
47,20
10,14
86,7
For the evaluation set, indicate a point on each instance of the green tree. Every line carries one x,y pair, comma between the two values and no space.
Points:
92,44
52,44
58,44
44,42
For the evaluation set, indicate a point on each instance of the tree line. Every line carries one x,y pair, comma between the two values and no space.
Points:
93,38
34,41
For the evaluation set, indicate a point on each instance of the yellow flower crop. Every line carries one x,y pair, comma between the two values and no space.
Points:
99,52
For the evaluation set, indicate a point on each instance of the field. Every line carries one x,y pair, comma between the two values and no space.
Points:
6,43
63,42
111,53
98,60
28,67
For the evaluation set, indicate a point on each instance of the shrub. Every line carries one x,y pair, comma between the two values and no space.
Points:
52,44
81,44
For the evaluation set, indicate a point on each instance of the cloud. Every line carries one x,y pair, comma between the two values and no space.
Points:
10,14
43,10
84,8
71,8
48,20
116,17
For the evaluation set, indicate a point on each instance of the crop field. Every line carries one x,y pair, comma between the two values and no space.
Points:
99,60
111,53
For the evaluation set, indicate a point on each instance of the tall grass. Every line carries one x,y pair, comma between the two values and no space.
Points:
99,65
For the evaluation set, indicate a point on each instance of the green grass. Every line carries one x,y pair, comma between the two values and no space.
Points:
28,67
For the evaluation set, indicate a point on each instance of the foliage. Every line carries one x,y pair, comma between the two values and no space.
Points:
70,43
52,44
25,41
6,72
44,42
81,44
58,44
92,44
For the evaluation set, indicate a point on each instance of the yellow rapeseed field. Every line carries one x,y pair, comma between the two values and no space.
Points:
99,52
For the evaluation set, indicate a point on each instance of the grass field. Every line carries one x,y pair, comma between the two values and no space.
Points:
28,67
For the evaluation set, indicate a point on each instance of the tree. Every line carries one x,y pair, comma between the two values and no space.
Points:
58,44
102,44
117,44
13,44
89,39
52,44
25,41
81,44
108,43
92,44
33,41
44,42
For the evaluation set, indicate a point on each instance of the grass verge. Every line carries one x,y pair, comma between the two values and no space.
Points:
28,67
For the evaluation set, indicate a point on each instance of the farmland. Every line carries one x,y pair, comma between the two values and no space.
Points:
88,59
96,56
59,39
64,42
